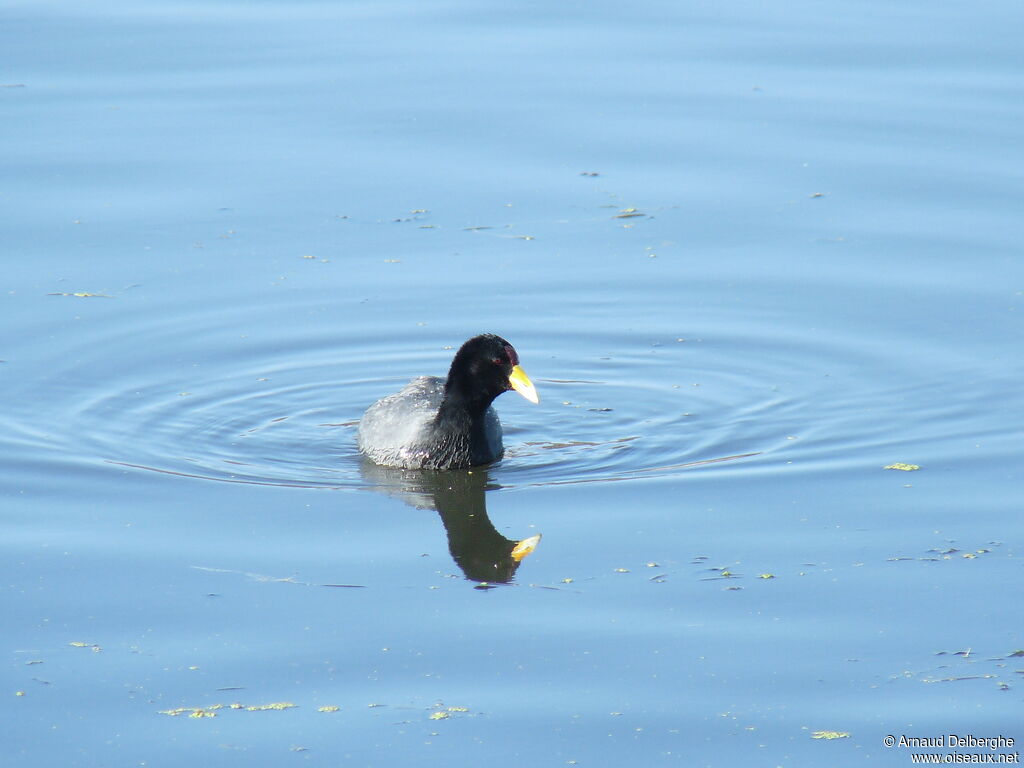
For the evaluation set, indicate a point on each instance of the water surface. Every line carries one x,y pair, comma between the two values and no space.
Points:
749,256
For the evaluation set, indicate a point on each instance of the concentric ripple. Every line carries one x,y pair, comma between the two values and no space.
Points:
272,408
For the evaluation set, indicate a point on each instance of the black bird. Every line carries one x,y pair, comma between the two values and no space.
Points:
435,423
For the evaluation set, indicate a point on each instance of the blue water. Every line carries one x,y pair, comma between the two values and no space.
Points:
750,256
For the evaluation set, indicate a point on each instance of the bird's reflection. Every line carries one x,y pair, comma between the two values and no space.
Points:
458,496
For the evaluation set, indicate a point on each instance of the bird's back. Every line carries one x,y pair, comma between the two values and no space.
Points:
401,430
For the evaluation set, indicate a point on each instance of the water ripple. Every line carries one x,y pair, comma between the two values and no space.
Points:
280,408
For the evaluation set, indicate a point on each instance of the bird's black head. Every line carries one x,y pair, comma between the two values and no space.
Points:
483,368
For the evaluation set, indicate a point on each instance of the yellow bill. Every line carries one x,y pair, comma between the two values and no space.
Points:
525,547
521,383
